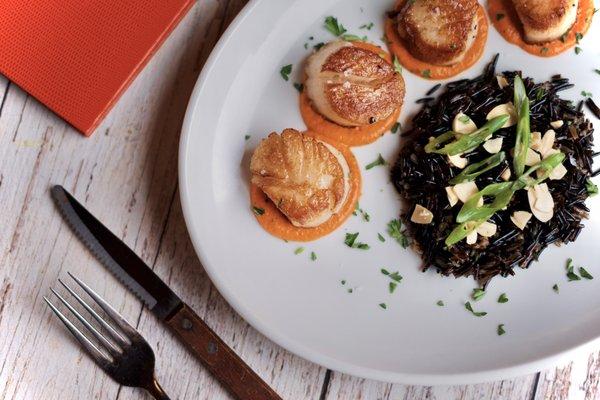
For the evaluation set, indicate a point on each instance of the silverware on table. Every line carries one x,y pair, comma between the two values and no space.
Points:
126,357
218,358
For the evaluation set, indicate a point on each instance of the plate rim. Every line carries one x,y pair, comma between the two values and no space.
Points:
493,374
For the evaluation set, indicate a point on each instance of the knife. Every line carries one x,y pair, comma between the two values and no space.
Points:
233,373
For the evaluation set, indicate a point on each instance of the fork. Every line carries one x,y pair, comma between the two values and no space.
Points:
128,359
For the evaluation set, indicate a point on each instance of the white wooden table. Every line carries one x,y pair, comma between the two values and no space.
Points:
126,173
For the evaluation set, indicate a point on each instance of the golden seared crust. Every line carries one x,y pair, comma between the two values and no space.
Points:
438,31
306,181
545,20
352,86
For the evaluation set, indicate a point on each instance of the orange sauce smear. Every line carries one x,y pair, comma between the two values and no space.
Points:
432,71
277,224
350,136
510,27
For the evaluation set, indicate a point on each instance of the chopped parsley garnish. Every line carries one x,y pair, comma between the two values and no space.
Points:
501,330
368,26
395,231
384,39
597,70
380,161
299,87
395,127
503,299
478,294
380,237
464,119
395,276
383,305
365,215
500,16
299,250
333,26
313,256
586,94
539,93
285,72
397,65
440,303
354,38
306,46
246,137
343,282
318,45
592,189
258,210
578,37
563,37
544,50
578,50
350,241
350,290
392,286
572,276
555,288
426,73
584,274
475,313
385,271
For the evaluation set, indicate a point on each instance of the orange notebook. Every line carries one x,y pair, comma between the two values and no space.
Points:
78,56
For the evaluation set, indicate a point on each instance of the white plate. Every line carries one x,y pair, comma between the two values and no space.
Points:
300,304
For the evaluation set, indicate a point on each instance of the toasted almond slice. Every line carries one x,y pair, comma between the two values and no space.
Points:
541,202
493,146
458,161
521,218
452,197
464,191
547,142
472,237
557,124
462,123
421,215
503,109
532,158
505,175
487,229
536,140
558,172
502,81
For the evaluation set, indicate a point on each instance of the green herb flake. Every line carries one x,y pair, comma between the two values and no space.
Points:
365,215
368,26
395,276
555,288
246,137
343,282
571,275
313,256
597,70
578,50
586,94
392,286
299,250
385,271
380,237
299,87
350,241
333,26
544,50
305,46
350,290
426,73
395,127
379,161
503,298
285,72
591,188
440,303
578,37
354,38
383,305
464,119
318,45
475,313
500,16
397,65
258,210
477,294
584,274
395,231
501,330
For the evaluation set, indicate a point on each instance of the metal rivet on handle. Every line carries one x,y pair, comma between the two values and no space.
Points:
186,324
211,347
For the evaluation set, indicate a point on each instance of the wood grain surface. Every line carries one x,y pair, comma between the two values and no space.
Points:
126,174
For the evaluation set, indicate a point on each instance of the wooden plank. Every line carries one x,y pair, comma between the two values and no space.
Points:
576,380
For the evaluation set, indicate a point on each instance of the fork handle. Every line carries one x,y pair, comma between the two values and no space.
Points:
233,373
157,391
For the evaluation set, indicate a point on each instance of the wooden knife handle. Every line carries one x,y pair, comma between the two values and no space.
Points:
233,373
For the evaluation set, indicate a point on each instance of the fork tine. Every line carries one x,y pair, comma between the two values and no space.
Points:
113,333
112,349
116,317
98,356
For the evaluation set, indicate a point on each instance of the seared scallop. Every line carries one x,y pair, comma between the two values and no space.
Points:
546,20
308,180
439,32
352,86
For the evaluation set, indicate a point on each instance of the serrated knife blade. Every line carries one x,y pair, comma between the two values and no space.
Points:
119,259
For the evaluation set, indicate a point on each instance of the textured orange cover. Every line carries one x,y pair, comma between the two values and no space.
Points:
78,56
